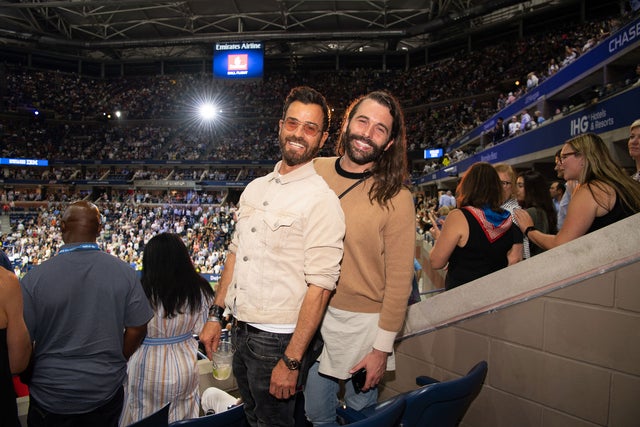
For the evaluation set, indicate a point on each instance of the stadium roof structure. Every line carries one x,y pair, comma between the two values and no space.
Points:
145,29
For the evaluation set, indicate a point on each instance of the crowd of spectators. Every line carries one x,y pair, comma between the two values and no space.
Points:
440,109
64,194
158,121
113,174
205,225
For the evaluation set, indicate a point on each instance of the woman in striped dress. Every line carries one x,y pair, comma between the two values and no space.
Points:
164,368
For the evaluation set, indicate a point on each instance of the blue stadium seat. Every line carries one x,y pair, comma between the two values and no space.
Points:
233,417
387,414
437,404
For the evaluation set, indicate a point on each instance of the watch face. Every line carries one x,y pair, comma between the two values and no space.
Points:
292,364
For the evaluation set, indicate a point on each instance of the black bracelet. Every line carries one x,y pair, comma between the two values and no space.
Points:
527,230
215,313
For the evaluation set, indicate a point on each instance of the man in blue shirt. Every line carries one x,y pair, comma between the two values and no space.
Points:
87,313
447,199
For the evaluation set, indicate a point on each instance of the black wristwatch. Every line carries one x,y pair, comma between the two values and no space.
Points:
292,364
215,313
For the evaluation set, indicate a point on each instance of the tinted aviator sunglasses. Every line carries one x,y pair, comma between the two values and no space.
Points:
309,129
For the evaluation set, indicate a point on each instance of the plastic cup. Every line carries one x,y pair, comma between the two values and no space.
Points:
222,360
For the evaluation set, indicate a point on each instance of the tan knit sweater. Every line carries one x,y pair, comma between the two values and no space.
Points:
377,267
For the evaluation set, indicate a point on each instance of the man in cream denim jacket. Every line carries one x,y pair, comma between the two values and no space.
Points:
283,264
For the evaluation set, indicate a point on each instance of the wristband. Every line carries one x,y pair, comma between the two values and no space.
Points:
527,230
215,313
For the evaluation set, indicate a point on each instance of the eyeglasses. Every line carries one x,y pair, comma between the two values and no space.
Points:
309,129
564,156
505,183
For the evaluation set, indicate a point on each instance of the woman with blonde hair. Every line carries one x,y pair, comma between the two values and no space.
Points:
605,194
509,198
442,213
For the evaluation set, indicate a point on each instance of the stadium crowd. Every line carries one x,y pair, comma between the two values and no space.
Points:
140,201
206,227
161,123
439,109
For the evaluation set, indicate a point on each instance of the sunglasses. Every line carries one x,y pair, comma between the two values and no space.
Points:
309,129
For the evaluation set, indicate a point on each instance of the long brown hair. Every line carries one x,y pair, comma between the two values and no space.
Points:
600,168
536,195
480,187
389,171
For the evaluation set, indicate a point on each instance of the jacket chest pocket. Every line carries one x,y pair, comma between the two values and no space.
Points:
280,229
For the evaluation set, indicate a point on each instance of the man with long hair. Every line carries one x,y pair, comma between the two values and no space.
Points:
369,305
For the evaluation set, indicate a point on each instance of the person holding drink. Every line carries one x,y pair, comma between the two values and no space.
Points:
283,264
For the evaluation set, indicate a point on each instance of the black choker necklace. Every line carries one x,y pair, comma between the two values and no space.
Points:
350,175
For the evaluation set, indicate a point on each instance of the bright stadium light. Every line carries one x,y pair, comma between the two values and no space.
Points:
204,110
207,111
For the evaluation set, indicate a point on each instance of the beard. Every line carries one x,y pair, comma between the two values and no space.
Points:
358,156
292,157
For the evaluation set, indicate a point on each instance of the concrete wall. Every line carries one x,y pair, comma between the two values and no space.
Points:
560,332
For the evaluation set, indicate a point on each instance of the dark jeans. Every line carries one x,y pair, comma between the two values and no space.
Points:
106,415
257,353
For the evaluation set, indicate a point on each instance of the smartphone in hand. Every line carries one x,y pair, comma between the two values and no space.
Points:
359,378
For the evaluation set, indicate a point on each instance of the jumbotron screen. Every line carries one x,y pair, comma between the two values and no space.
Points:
433,153
238,60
